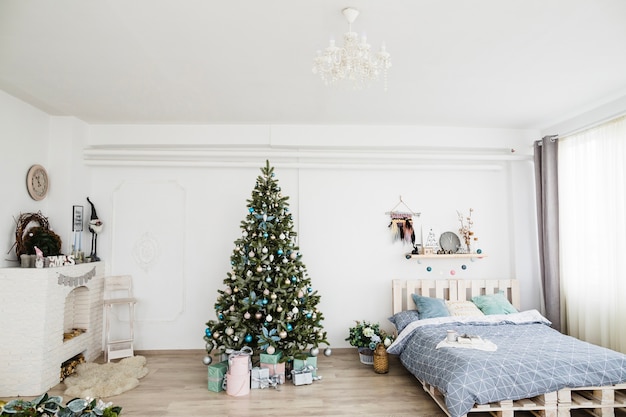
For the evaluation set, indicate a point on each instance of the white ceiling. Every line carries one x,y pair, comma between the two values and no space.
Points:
478,63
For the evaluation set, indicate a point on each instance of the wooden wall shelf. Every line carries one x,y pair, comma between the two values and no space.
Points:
470,256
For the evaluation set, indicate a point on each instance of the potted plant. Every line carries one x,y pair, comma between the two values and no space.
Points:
366,336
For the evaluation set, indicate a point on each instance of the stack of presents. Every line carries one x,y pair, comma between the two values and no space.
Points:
237,376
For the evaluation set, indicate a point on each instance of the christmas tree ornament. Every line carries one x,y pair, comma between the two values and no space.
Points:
271,258
208,332
279,309
268,318
264,250
229,331
289,327
251,254
292,256
248,338
244,233
259,269
281,236
295,310
258,315
282,334
228,291
251,209
246,315
314,351
285,260
207,360
328,351
266,292
270,350
279,252
273,296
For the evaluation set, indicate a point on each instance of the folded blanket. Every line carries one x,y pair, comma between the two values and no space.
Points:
479,344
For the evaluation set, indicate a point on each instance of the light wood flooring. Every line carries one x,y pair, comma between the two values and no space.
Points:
176,386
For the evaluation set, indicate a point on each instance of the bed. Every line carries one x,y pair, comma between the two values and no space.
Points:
520,364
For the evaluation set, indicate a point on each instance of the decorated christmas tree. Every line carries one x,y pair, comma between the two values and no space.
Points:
267,303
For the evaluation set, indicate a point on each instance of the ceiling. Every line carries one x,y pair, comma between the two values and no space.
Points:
481,63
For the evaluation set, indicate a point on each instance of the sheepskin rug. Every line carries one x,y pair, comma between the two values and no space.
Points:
96,380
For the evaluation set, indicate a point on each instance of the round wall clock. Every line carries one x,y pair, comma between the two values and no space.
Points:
449,242
37,182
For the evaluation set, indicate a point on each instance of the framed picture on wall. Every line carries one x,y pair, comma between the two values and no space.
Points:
77,218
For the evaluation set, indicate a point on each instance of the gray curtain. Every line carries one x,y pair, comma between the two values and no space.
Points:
546,178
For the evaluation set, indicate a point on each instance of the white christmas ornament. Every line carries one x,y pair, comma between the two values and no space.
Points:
282,334
268,318
279,309
314,351
229,331
247,315
270,350
251,254
282,236
264,250
295,310
244,234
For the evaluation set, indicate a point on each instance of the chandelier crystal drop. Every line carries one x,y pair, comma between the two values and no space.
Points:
353,61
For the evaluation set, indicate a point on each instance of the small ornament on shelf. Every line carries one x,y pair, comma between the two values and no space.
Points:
466,229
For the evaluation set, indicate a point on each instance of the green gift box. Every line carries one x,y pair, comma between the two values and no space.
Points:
216,376
298,364
271,359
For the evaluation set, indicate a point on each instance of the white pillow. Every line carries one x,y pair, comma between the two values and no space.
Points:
463,308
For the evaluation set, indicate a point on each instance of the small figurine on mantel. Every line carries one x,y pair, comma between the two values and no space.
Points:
95,227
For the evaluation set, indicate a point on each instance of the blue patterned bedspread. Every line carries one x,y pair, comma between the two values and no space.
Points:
531,359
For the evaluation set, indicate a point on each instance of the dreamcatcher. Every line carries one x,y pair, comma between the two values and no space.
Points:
401,225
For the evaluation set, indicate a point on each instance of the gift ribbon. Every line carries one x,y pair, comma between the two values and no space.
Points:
306,369
240,362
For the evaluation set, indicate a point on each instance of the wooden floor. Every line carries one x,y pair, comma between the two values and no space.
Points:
176,386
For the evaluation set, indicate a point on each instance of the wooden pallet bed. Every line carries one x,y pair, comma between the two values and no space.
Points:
597,401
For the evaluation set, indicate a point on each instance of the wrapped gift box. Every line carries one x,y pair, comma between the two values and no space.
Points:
238,385
276,370
273,358
240,362
302,377
217,372
260,378
299,364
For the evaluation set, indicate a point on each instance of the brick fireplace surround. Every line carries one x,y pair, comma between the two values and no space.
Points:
36,307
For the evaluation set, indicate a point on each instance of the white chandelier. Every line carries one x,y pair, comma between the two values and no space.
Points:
353,61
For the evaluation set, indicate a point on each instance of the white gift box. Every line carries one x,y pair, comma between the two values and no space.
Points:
260,378
302,377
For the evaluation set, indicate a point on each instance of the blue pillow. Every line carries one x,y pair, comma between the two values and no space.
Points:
430,307
403,319
494,304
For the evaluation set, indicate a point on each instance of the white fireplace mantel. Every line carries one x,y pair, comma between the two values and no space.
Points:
36,307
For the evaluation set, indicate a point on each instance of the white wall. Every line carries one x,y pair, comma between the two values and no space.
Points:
341,181
172,198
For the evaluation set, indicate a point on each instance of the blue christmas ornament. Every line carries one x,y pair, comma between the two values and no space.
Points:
463,266
279,252
308,315
309,289
294,279
248,338
251,209
429,269
264,301
221,317
289,327
265,235
268,279
208,332
479,251
286,209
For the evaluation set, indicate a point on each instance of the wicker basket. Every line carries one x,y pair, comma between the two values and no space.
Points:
381,359
366,356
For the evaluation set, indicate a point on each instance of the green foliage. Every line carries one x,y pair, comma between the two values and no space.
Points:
268,299
368,335
51,406
45,239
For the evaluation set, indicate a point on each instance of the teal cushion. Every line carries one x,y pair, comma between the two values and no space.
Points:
494,304
428,307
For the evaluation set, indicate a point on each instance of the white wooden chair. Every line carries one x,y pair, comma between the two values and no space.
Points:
118,291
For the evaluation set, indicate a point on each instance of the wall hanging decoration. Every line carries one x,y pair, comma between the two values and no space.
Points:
401,225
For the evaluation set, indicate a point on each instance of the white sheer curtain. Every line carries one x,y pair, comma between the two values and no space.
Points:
592,201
